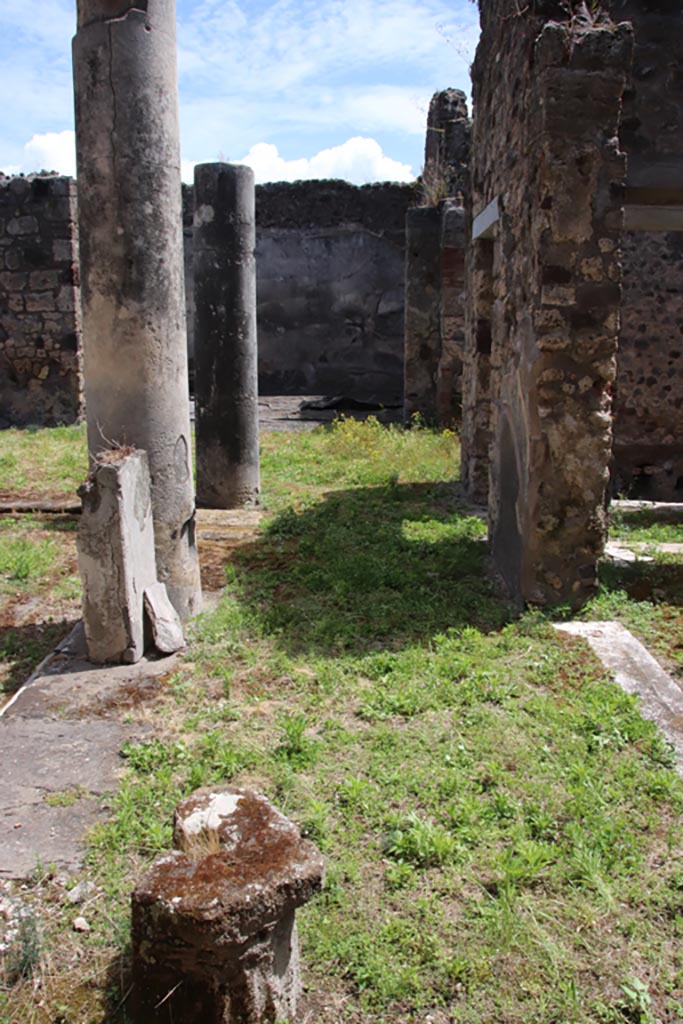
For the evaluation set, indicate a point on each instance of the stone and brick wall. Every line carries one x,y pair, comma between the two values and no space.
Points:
40,376
543,327
329,269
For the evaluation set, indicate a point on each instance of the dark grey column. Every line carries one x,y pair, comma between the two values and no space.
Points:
422,350
130,225
226,376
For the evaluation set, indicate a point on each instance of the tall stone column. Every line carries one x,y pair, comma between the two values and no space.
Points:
130,224
422,349
226,373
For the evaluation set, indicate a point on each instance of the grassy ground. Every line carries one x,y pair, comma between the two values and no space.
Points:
42,463
502,829
646,596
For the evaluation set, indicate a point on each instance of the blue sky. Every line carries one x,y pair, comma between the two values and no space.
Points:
296,88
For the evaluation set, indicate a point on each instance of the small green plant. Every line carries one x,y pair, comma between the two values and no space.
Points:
65,797
295,747
23,958
637,1003
421,842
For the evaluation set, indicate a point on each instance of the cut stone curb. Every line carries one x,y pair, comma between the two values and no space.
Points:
638,673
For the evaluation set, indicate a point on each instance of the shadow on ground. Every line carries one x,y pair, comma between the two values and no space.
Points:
657,582
23,647
368,568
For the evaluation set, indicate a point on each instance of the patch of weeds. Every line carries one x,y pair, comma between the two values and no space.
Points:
295,746
643,526
65,797
422,843
502,830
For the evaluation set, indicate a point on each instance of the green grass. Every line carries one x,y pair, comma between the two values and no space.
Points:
42,463
24,560
502,829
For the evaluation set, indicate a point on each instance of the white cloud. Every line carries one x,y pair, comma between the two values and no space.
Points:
358,160
302,74
51,151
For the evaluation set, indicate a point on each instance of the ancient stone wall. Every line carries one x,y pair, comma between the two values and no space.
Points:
544,320
329,265
40,377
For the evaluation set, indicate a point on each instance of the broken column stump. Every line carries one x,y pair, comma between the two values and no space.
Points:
116,555
226,373
214,935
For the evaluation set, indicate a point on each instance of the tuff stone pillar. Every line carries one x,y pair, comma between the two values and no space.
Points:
422,350
226,375
129,208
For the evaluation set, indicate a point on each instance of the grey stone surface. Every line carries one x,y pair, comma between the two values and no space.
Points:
60,743
214,936
41,760
130,233
226,375
637,672
167,631
116,555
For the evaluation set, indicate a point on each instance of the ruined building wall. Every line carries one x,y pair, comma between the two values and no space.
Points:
40,377
543,326
329,265
436,233
648,425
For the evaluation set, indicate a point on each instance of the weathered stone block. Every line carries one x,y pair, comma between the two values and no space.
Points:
116,555
22,226
214,936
